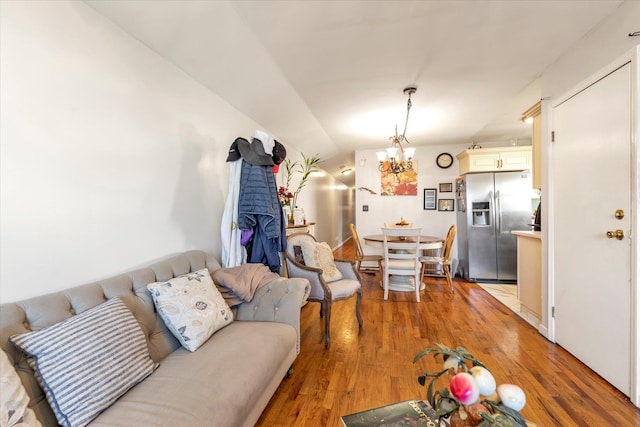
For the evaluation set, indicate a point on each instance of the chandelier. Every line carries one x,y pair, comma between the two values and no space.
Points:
396,158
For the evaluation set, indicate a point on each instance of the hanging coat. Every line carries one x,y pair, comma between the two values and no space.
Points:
259,210
233,253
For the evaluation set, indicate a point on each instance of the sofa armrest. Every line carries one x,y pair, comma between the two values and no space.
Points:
278,301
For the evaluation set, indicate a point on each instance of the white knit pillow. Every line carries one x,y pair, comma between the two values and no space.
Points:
191,307
320,255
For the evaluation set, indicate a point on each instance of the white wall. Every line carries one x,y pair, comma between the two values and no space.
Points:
392,208
599,48
110,156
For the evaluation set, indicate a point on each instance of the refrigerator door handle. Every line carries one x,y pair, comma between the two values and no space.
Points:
498,212
492,209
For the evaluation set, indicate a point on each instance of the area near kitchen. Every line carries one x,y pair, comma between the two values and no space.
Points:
499,221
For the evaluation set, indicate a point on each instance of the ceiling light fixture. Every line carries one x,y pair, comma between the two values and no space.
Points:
398,159
346,171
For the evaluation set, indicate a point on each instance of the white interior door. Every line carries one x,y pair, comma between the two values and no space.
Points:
592,179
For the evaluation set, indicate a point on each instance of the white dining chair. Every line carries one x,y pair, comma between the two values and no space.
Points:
401,257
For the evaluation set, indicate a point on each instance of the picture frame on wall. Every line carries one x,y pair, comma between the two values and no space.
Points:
445,205
446,187
430,199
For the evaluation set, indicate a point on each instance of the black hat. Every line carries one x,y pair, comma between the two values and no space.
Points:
234,153
279,153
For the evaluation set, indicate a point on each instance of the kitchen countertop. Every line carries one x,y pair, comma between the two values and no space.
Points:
532,234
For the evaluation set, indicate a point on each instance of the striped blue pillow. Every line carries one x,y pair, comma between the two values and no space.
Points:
87,361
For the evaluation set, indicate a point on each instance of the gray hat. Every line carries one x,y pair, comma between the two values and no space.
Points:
252,153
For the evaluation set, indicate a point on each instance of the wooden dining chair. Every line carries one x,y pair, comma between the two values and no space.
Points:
401,257
444,260
361,258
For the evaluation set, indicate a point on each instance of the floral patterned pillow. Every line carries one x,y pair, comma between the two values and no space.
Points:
14,409
191,307
320,255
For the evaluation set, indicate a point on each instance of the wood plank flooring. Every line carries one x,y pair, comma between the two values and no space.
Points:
374,366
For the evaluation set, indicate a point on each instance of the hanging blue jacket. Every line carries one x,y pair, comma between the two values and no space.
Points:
259,210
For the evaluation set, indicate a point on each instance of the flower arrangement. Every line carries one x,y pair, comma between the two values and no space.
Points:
284,196
461,398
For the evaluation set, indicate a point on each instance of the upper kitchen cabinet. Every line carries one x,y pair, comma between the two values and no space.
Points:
534,114
500,159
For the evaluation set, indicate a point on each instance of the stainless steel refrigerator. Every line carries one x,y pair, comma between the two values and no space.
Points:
490,206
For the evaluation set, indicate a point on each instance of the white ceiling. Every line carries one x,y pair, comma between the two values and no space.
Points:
327,77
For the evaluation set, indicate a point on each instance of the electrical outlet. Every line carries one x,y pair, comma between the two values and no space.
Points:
365,208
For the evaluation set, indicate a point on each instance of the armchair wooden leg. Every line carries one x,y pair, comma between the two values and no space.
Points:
327,324
358,300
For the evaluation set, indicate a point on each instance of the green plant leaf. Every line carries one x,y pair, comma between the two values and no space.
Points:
422,380
423,353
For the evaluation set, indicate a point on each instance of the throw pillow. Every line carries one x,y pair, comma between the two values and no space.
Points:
87,361
320,255
14,401
191,307
297,253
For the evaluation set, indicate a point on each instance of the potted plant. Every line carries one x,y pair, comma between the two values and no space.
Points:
470,396
305,168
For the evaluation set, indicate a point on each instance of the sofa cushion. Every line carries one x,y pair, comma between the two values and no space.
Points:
14,401
226,383
75,360
320,255
191,306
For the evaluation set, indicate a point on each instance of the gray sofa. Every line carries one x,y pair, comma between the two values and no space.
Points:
226,382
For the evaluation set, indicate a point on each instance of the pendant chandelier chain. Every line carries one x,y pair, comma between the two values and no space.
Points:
397,159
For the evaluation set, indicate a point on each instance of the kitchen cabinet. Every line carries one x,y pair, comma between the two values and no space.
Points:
530,276
499,159
535,113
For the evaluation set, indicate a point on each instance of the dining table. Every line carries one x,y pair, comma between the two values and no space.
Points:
426,242
404,283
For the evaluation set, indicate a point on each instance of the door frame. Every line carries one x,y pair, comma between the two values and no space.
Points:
548,244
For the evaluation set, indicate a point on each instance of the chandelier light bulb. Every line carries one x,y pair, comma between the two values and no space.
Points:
409,152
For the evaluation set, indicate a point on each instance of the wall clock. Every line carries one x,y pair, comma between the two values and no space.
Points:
444,160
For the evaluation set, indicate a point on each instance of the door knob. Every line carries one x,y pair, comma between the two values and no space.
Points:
618,234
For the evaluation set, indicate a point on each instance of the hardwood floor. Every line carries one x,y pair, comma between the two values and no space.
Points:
373,366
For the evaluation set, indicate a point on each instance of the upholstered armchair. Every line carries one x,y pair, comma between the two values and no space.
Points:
331,280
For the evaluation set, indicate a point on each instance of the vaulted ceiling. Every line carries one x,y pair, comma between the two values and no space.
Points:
327,77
